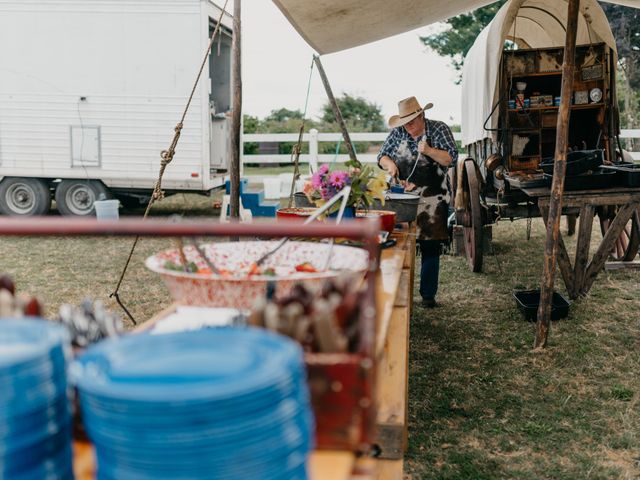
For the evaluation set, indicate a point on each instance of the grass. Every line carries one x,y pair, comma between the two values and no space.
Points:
482,404
67,269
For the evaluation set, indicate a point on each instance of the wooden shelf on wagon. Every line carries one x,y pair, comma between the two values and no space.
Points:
579,106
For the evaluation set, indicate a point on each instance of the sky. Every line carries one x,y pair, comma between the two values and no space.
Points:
276,67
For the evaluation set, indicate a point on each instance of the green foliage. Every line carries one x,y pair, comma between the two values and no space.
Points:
357,112
359,115
463,30
284,115
625,24
281,120
250,125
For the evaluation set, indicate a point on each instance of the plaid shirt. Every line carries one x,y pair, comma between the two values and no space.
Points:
438,136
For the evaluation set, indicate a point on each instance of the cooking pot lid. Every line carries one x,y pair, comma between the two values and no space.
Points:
402,196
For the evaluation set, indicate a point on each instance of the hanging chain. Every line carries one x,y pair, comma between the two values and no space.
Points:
166,158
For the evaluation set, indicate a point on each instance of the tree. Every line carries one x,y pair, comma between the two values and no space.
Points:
283,115
357,113
250,125
283,120
625,24
463,30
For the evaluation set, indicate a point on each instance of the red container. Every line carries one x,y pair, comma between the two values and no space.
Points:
387,218
297,213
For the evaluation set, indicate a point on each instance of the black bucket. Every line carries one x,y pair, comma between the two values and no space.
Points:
529,300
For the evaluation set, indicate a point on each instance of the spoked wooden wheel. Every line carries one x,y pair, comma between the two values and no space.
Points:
628,243
472,218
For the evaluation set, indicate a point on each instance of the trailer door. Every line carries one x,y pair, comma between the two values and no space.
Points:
220,97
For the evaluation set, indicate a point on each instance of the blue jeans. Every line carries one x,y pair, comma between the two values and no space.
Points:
429,268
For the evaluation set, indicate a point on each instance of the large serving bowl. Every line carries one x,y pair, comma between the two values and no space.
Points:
238,289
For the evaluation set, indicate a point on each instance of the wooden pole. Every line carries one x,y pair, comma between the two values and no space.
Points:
236,118
557,187
336,112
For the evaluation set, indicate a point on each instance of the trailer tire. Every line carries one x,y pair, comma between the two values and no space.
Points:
24,196
76,197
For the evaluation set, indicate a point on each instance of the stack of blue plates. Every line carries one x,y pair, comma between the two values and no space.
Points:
35,425
214,404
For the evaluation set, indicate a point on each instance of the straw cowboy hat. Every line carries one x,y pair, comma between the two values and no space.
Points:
408,109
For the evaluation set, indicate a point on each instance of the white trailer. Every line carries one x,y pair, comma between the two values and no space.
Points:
90,92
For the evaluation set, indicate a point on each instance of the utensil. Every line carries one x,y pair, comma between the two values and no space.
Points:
343,205
194,244
342,194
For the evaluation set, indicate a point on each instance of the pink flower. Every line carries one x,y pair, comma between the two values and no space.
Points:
338,179
316,180
324,169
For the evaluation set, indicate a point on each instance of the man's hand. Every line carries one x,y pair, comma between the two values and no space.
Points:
424,148
408,186
440,156
390,166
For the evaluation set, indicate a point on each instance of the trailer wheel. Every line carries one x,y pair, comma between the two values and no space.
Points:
24,196
76,197
627,245
473,224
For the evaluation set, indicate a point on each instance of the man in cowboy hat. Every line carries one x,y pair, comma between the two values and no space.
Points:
418,152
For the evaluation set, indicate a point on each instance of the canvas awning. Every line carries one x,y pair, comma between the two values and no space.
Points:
532,24
334,25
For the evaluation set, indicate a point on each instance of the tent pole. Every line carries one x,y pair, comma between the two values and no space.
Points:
236,118
336,111
559,170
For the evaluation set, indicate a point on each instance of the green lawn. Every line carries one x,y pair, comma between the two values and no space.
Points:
483,405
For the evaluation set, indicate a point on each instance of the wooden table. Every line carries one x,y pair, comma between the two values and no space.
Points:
394,294
579,276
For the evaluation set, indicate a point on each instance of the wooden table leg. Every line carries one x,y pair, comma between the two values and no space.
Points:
600,257
582,249
564,262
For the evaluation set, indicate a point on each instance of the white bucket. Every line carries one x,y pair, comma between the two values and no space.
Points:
285,184
300,183
106,209
271,187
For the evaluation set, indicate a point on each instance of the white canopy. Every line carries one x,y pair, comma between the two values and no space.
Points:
532,24
334,25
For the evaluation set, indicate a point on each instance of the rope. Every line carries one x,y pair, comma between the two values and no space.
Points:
335,157
297,148
166,158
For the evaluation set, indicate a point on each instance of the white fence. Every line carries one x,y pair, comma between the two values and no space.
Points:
314,137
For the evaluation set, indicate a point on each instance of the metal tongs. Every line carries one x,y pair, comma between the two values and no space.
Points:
194,244
342,194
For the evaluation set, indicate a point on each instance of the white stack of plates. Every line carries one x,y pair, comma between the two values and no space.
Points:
35,425
216,404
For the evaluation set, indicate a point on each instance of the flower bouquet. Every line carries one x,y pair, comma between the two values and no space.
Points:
366,186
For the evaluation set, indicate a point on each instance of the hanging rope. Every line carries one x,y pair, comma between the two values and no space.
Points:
335,157
166,158
297,148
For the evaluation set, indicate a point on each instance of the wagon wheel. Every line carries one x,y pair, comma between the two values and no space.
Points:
626,246
472,218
